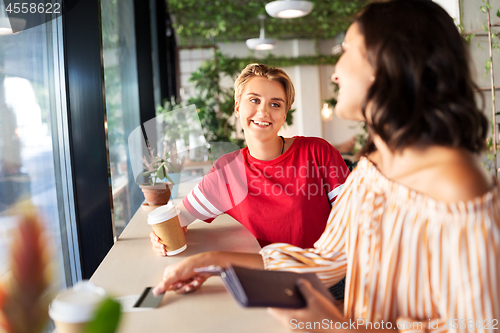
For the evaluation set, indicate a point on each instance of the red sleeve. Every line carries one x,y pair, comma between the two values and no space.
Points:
220,190
194,206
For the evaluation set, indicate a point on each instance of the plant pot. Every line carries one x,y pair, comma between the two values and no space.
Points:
176,178
156,195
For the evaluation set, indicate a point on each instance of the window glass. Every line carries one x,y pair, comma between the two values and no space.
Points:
31,144
122,103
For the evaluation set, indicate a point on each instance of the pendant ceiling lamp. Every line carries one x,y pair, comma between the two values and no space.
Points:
261,43
289,8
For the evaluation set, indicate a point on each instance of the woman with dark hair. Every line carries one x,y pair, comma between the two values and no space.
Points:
416,228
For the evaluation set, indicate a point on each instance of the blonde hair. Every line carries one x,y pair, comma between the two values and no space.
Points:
270,73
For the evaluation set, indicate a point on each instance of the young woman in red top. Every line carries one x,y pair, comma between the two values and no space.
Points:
281,189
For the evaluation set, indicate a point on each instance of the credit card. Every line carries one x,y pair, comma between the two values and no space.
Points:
148,299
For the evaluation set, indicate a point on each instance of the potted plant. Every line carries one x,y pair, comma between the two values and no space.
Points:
157,169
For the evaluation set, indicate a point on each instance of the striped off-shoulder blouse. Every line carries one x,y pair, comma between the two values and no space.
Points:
408,259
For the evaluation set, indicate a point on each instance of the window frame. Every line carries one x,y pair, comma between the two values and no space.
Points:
84,84
86,219
62,163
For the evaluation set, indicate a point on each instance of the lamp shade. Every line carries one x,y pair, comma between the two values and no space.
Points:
289,8
261,43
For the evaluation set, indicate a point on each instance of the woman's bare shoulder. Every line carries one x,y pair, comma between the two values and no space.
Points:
441,173
462,177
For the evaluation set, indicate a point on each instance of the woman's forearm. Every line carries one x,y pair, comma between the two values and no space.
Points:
224,259
185,217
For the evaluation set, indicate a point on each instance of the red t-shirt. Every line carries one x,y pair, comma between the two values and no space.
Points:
285,200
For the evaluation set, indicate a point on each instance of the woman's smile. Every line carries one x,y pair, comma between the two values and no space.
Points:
261,123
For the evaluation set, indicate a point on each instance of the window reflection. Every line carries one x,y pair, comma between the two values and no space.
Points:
122,103
27,158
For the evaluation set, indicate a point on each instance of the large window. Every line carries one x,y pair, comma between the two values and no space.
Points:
33,143
57,140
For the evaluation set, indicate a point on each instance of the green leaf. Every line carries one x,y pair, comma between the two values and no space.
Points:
106,319
170,179
483,9
498,13
485,28
161,171
479,45
469,37
488,5
487,64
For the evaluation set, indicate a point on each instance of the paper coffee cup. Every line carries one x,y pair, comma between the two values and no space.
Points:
74,308
165,223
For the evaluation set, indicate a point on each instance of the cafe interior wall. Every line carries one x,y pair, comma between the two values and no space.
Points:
313,83
472,19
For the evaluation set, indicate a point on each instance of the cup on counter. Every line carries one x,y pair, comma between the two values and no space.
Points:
75,307
165,223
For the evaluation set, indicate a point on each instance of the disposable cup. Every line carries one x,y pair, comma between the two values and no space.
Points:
165,223
75,307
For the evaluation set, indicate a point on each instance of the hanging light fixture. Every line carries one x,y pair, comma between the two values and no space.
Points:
261,43
326,112
289,8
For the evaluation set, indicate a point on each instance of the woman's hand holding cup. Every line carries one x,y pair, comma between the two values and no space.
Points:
158,247
168,237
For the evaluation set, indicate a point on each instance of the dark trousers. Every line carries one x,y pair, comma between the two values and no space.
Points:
337,290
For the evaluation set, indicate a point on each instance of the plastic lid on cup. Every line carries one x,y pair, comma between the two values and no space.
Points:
163,213
77,304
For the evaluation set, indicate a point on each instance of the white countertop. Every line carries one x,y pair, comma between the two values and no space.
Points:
131,265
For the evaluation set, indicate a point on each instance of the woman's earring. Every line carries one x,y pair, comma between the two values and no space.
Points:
372,78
